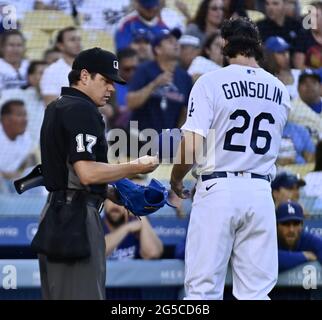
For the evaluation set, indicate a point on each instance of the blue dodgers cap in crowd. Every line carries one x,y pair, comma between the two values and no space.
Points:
148,4
164,34
309,73
289,211
286,180
276,44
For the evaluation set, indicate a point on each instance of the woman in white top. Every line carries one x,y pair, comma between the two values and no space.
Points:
211,57
277,62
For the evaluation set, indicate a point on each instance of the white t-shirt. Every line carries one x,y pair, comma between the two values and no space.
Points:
103,15
293,88
54,77
247,108
13,152
10,77
35,109
201,65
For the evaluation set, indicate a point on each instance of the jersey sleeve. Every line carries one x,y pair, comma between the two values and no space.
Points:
200,110
83,129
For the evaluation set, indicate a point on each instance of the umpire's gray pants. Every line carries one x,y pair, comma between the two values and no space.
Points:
80,280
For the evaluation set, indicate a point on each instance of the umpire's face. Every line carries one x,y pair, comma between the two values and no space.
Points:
97,87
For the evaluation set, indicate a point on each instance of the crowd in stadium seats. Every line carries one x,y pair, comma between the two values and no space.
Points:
163,47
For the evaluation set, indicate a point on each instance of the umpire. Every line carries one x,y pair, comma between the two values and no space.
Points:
70,238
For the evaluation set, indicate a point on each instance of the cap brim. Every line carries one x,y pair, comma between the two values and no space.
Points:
289,219
114,78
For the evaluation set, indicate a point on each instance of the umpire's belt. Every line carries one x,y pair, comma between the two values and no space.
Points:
67,196
223,174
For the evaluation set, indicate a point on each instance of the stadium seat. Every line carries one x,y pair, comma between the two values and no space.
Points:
36,39
48,20
97,39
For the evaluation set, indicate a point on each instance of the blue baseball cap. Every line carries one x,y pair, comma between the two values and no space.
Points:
289,211
148,4
276,44
164,34
310,73
287,180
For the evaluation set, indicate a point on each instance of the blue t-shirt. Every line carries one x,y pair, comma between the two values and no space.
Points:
121,91
308,242
125,34
163,107
128,249
301,139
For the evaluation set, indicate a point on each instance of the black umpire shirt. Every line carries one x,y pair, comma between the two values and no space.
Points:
72,130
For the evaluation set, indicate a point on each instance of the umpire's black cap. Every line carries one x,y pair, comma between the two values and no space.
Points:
99,61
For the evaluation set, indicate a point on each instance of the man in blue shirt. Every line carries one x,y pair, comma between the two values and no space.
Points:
159,90
286,186
127,237
295,246
146,17
309,89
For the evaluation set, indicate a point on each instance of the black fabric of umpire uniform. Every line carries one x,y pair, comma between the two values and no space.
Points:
73,114
70,239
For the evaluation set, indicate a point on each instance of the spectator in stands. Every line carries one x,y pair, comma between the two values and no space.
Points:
313,179
56,75
295,246
211,57
278,24
13,67
297,146
15,142
103,15
293,9
142,44
308,48
277,62
146,17
128,237
128,62
189,50
208,19
159,90
30,95
306,109
286,186
51,55
309,89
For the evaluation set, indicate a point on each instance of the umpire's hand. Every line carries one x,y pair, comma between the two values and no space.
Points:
146,164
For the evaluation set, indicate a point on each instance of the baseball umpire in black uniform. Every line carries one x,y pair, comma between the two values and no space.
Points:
70,238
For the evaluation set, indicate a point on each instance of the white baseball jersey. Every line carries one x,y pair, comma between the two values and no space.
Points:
247,108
